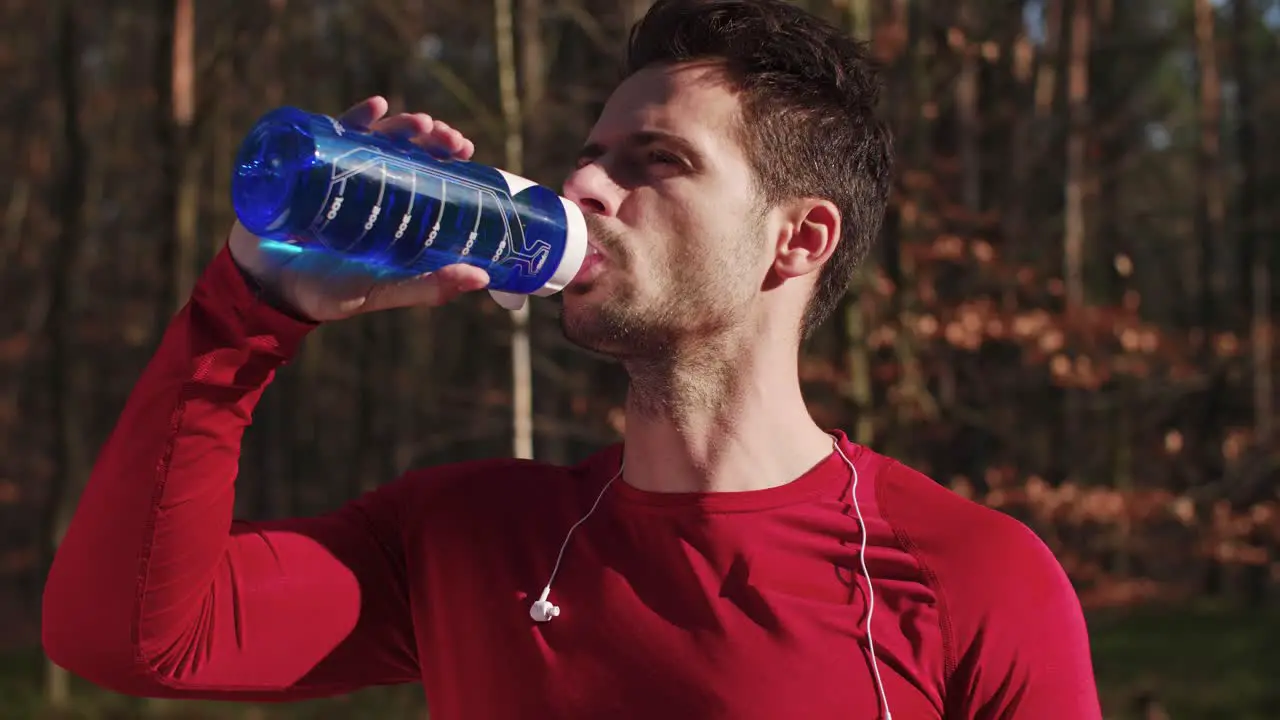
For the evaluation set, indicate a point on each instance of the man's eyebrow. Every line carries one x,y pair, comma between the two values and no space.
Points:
590,152
593,151
681,145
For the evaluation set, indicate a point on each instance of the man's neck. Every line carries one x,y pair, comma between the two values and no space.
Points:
721,419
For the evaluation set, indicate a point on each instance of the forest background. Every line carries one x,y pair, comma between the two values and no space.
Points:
1070,316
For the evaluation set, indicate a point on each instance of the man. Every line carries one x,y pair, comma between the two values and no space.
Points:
741,563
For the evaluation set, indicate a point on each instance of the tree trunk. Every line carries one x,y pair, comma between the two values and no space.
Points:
1047,74
1255,248
187,198
1211,203
67,390
856,318
537,123
513,158
533,81
966,94
175,85
1073,239
1013,219
1078,119
1210,213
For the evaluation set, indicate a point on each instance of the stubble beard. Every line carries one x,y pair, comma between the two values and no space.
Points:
618,327
680,350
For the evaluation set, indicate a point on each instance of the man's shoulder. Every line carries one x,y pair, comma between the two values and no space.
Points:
1015,637
939,520
982,559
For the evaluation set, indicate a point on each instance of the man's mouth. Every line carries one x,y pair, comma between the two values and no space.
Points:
592,264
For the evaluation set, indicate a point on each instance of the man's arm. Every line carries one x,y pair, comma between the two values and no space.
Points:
156,591
1021,643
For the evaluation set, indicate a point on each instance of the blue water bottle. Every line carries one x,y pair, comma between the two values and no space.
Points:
309,182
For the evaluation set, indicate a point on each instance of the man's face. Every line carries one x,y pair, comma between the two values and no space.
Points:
673,211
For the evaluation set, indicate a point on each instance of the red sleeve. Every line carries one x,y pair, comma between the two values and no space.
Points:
1015,641
156,591
1021,640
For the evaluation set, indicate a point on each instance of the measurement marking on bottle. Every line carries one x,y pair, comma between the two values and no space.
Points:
376,210
475,229
435,227
408,212
502,246
337,193
514,249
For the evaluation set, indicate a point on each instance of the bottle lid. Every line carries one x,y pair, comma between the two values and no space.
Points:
575,252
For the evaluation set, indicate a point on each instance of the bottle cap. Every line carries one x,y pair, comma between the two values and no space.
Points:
575,252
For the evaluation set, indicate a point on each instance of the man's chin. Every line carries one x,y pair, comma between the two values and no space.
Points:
588,297
581,324
588,322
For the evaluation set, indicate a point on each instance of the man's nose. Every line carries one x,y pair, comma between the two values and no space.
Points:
591,188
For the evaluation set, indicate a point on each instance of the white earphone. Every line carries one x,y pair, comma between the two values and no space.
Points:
871,593
543,610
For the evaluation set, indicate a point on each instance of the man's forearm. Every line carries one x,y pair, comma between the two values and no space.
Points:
131,595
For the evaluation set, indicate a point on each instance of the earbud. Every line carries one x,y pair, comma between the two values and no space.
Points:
542,610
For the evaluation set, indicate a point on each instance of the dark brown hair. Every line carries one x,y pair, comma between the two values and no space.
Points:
809,93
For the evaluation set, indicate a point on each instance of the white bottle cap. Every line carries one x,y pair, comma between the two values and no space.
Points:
575,251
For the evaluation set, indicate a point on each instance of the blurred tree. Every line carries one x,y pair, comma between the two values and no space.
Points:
1070,316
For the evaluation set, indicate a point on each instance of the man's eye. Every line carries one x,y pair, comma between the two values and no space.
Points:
661,157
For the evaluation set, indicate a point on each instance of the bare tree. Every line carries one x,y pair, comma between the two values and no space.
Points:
175,80
1210,216
856,328
1073,235
966,92
513,158
1077,144
1256,247
67,387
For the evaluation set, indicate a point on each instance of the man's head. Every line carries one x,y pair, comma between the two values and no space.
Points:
733,182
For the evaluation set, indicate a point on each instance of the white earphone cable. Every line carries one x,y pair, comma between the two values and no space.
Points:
543,610
871,593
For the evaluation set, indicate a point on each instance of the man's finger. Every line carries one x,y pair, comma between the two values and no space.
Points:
406,125
431,290
444,137
364,113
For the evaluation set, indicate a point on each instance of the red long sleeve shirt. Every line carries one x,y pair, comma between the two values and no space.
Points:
731,605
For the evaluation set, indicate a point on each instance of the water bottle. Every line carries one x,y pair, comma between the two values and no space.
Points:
308,183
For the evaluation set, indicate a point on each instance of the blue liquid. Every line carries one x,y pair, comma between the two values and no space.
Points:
303,179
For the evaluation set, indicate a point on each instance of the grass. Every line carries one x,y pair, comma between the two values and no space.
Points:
1203,663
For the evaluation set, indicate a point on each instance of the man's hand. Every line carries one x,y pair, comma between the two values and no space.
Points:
323,287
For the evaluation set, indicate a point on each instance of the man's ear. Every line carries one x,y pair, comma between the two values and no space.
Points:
808,238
